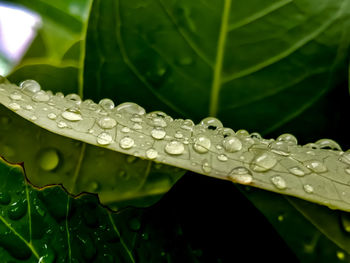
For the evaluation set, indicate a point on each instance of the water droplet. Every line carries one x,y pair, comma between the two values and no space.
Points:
158,133
178,135
72,114
137,126
297,171
136,118
187,125
232,144
206,167
328,144
106,104
74,98
62,124
227,132
17,210
211,123
242,133
104,138
222,157
345,157
41,96
48,159
240,175
263,162
201,144
125,129
340,255
151,154
279,182
29,87
308,188
126,143
174,148
280,147
315,166
255,135
107,123
131,108
94,186
5,198
347,170
158,121
28,107
52,116
15,96
34,118
289,138
14,106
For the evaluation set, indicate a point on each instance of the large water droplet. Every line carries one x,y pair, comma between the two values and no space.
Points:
297,171
206,167
232,144
308,188
158,133
29,87
315,166
14,106
74,98
48,159
240,175
263,162
106,104
104,138
151,154
328,144
201,144
280,147
289,138
107,123
211,123
17,210
131,108
41,96
72,114
126,143
15,96
174,148
279,182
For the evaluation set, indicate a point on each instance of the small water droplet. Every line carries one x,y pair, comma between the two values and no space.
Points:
255,135
174,148
72,114
211,123
5,198
178,135
52,116
308,188
14,106
201,144
125,129
106,104
104,138
328,144
94,186
297,171
126,143
315,166
74,98
34,118
158,133
41,96
280,147
131,108
29,87
242,133
15,96
226,132
289,138
137,126
28,107
219,147
279,182
49,159
151,154
187,125
159,122
107,123
206,167
240,175
62,124
263,162
222,157
345,157
232,144
17,210
136,118
347,170
340,255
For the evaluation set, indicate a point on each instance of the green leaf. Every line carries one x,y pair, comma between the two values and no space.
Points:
48,225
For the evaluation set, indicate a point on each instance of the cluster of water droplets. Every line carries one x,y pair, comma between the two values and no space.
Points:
209,147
